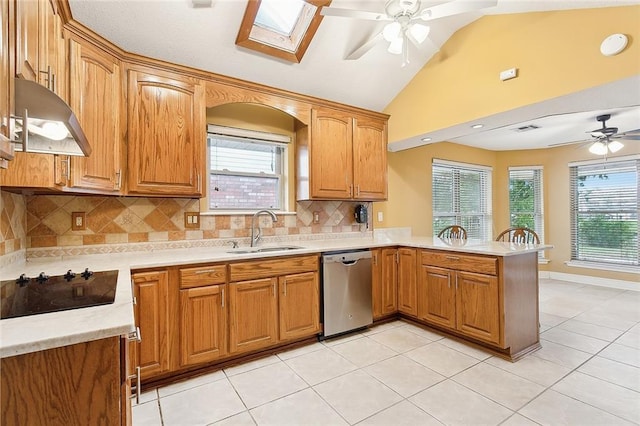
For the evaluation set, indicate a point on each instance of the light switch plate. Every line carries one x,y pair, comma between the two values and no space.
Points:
192,220
78,221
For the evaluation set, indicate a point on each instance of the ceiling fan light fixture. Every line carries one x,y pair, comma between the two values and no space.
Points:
419,32
395,46
615,146
391,31
598,148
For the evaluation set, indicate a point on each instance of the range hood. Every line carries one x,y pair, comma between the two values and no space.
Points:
51,126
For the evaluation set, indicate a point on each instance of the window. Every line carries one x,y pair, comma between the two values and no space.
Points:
525,199
280,28
462,196
604,211
246,169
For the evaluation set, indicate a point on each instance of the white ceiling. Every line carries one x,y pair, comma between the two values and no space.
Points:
204,38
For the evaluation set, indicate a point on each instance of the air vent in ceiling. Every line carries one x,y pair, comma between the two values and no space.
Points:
526,128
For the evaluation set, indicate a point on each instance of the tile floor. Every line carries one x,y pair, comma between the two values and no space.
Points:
587,372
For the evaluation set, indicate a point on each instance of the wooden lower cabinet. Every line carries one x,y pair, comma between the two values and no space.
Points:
81,384
253,306
436,296
384,282
477,306
299,305
407,281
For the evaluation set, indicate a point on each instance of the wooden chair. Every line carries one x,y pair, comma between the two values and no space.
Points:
453,232
519,235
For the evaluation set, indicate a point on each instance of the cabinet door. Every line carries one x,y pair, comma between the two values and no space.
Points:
52,70
6,85
407,281
151,290
331,154
203,324
389,281
167,134
27,39
436,296
370,159
95,98
35,171
253,307
478,309
376,283
299,305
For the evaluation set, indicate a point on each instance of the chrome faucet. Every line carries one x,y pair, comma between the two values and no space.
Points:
255,236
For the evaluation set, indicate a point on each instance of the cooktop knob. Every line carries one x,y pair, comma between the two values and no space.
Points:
42,278
86,274
69,275
23,280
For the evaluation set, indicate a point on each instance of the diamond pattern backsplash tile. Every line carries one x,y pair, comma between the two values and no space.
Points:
45,221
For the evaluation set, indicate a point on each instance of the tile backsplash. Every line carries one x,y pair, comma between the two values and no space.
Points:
37,222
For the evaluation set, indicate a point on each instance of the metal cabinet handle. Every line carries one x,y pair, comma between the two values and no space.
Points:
223,297
358,190
205,271
452,257
137,387
135,336
273,286
285,287
118,180
49,80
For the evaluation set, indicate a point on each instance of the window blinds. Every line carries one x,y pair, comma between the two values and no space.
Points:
604,212
525,199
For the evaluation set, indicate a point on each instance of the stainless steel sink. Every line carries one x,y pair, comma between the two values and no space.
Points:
263,249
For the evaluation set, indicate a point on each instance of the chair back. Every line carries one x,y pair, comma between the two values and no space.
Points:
519,235
453,232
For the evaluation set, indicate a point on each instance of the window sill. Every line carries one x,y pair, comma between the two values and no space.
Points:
603,266
242,213
543,261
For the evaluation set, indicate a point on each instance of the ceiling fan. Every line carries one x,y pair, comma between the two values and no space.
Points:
405,19
607,139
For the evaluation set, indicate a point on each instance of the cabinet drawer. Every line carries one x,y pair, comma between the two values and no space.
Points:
272,268
460,262
203,275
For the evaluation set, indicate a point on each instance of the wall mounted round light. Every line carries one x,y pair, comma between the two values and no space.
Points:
477,126
613,44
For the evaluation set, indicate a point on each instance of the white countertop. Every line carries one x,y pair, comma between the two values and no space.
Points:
44,331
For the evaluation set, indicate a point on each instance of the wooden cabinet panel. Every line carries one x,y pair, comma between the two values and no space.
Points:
52,53
253,307
95,98
151,291
331,154
7,68
27,39
299,305
203,324
167,134
376,283
370,159
436,296
35,171
477,306
266,268
203,275
407,281
460,262
389,297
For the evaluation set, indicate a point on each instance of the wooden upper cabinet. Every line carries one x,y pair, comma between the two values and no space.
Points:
95,98
331,155
6,85
27,39
370,159
166,134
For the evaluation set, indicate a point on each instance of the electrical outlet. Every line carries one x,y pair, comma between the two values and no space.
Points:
78,221
316,217
192,220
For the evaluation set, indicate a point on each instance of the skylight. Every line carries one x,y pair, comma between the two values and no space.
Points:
280,28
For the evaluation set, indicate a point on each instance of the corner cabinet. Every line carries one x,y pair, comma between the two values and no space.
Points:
166,133
342,157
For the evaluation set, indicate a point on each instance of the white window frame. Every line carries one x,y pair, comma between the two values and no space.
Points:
538,194
486,216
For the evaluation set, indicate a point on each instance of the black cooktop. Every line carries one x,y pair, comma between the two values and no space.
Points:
38,295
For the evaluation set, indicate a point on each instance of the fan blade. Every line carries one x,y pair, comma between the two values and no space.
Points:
454,8
364,47
352,13
427,41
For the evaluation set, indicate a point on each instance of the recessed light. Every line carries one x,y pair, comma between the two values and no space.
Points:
425,139
477,126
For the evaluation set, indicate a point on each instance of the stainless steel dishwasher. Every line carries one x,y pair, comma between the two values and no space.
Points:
346,289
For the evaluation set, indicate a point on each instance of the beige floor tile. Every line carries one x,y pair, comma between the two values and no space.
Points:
362,352
319,366
251,365
498,385
146,396
611,398
442,359
399,339
301,351
343,339
266,384
301,408
532,368
605,318
194,406
401,414
565,306
630,339
146,414
403,375
518,420
190,383
615,372
454,404
465,348
357,395
622,353
591,330
553,408
242,419
560,354
382,327
422,332
574,340
551,320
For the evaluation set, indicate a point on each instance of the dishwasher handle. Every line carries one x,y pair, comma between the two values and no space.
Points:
349,262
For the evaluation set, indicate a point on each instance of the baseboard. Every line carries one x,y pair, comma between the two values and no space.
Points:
589,280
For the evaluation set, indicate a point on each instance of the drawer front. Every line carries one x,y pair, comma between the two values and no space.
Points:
203,275
460,262
270,268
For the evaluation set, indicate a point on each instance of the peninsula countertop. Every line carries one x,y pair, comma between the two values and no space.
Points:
44,331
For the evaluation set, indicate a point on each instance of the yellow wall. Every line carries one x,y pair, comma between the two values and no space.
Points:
557,53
